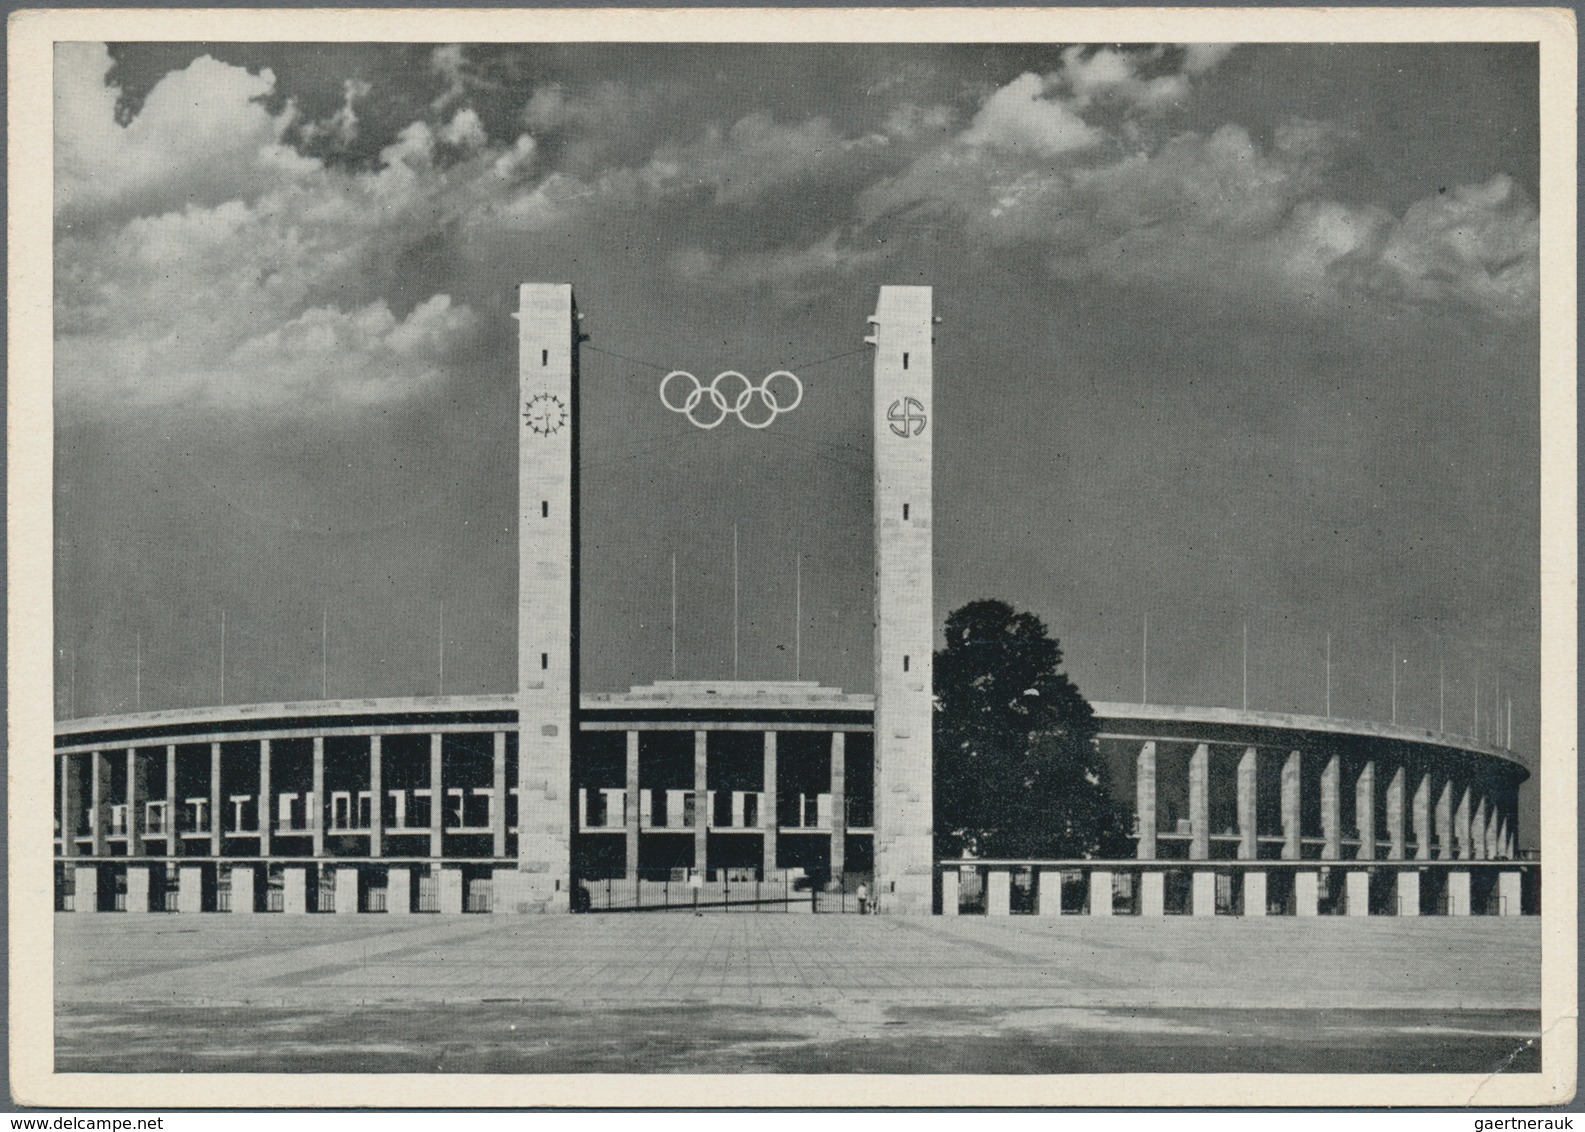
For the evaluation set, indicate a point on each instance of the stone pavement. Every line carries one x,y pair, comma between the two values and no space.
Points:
780,961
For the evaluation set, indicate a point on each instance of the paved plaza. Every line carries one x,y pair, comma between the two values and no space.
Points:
794,993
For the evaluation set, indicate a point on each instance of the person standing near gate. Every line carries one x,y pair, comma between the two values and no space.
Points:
696,882
864,898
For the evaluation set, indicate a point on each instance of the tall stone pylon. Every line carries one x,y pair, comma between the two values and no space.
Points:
904,601
547,598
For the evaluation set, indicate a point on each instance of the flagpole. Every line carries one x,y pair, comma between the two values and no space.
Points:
1246,665
138,677
798,616
734,601
222,656
1144,663
1441,695
1329,676
674,616
1395,681
324,653
442,644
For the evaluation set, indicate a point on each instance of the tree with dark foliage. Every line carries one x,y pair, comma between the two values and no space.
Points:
1017,770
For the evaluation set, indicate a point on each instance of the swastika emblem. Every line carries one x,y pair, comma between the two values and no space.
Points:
907,417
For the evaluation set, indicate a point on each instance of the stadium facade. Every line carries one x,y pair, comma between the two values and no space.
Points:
552,799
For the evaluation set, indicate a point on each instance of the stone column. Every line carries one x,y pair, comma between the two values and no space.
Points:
1152,894
138,889
1331,816
1290,806
1357,891
316,812
190,894
1048,892
266,802
1200,803
376,797
346,890
1502,836
244,889
1491,832
1421,821
772,805
1457,892
1444,823
839,809
173,839
1461,826
1145,802
1100,892
1203,894
1365,811
1395,841
99,800
85,884
1508,894
216,817
949,892
1306,893
71,802
631,816
701,801
1248,792
294,896
437,800
137,794
1477,847
1254,893
450,891
399,891
1407,882
998,892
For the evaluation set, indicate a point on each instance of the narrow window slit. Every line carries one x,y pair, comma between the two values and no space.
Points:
905,664
905,360
544,508
544,358
905,512
544,660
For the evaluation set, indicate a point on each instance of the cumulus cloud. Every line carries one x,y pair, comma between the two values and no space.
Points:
202,137
342,126
1019,117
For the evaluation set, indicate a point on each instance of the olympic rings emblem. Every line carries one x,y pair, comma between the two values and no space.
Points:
734,406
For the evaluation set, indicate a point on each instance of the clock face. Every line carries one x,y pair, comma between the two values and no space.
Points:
545,414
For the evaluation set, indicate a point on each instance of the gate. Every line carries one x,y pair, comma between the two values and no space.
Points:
729,890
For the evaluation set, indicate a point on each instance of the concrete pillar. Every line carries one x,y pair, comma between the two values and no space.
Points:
1457,892
85,881
1248,792
294,897
173,840
266,800
316,812
450,891
1100,892
437,799
1145,801
1200,803
1331,816
1395,791
1461,826
399,890
1203,893
1048,892
1508,894
99,800
1502,836
1407,886
216,816
771,804
1365,811
839,809
1254,893
1421,819
998,892
244,889
949,892
1357,891
71,802
630,819
190,895
701,800
1307,893
1477,846
1152,894
1290,806
346,890
137,794
138,889
1444,823
377,797
1491,832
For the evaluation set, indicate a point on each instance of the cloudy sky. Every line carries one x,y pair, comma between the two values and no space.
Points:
1230,336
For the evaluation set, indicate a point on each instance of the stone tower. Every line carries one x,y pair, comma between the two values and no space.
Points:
547,596
904,604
